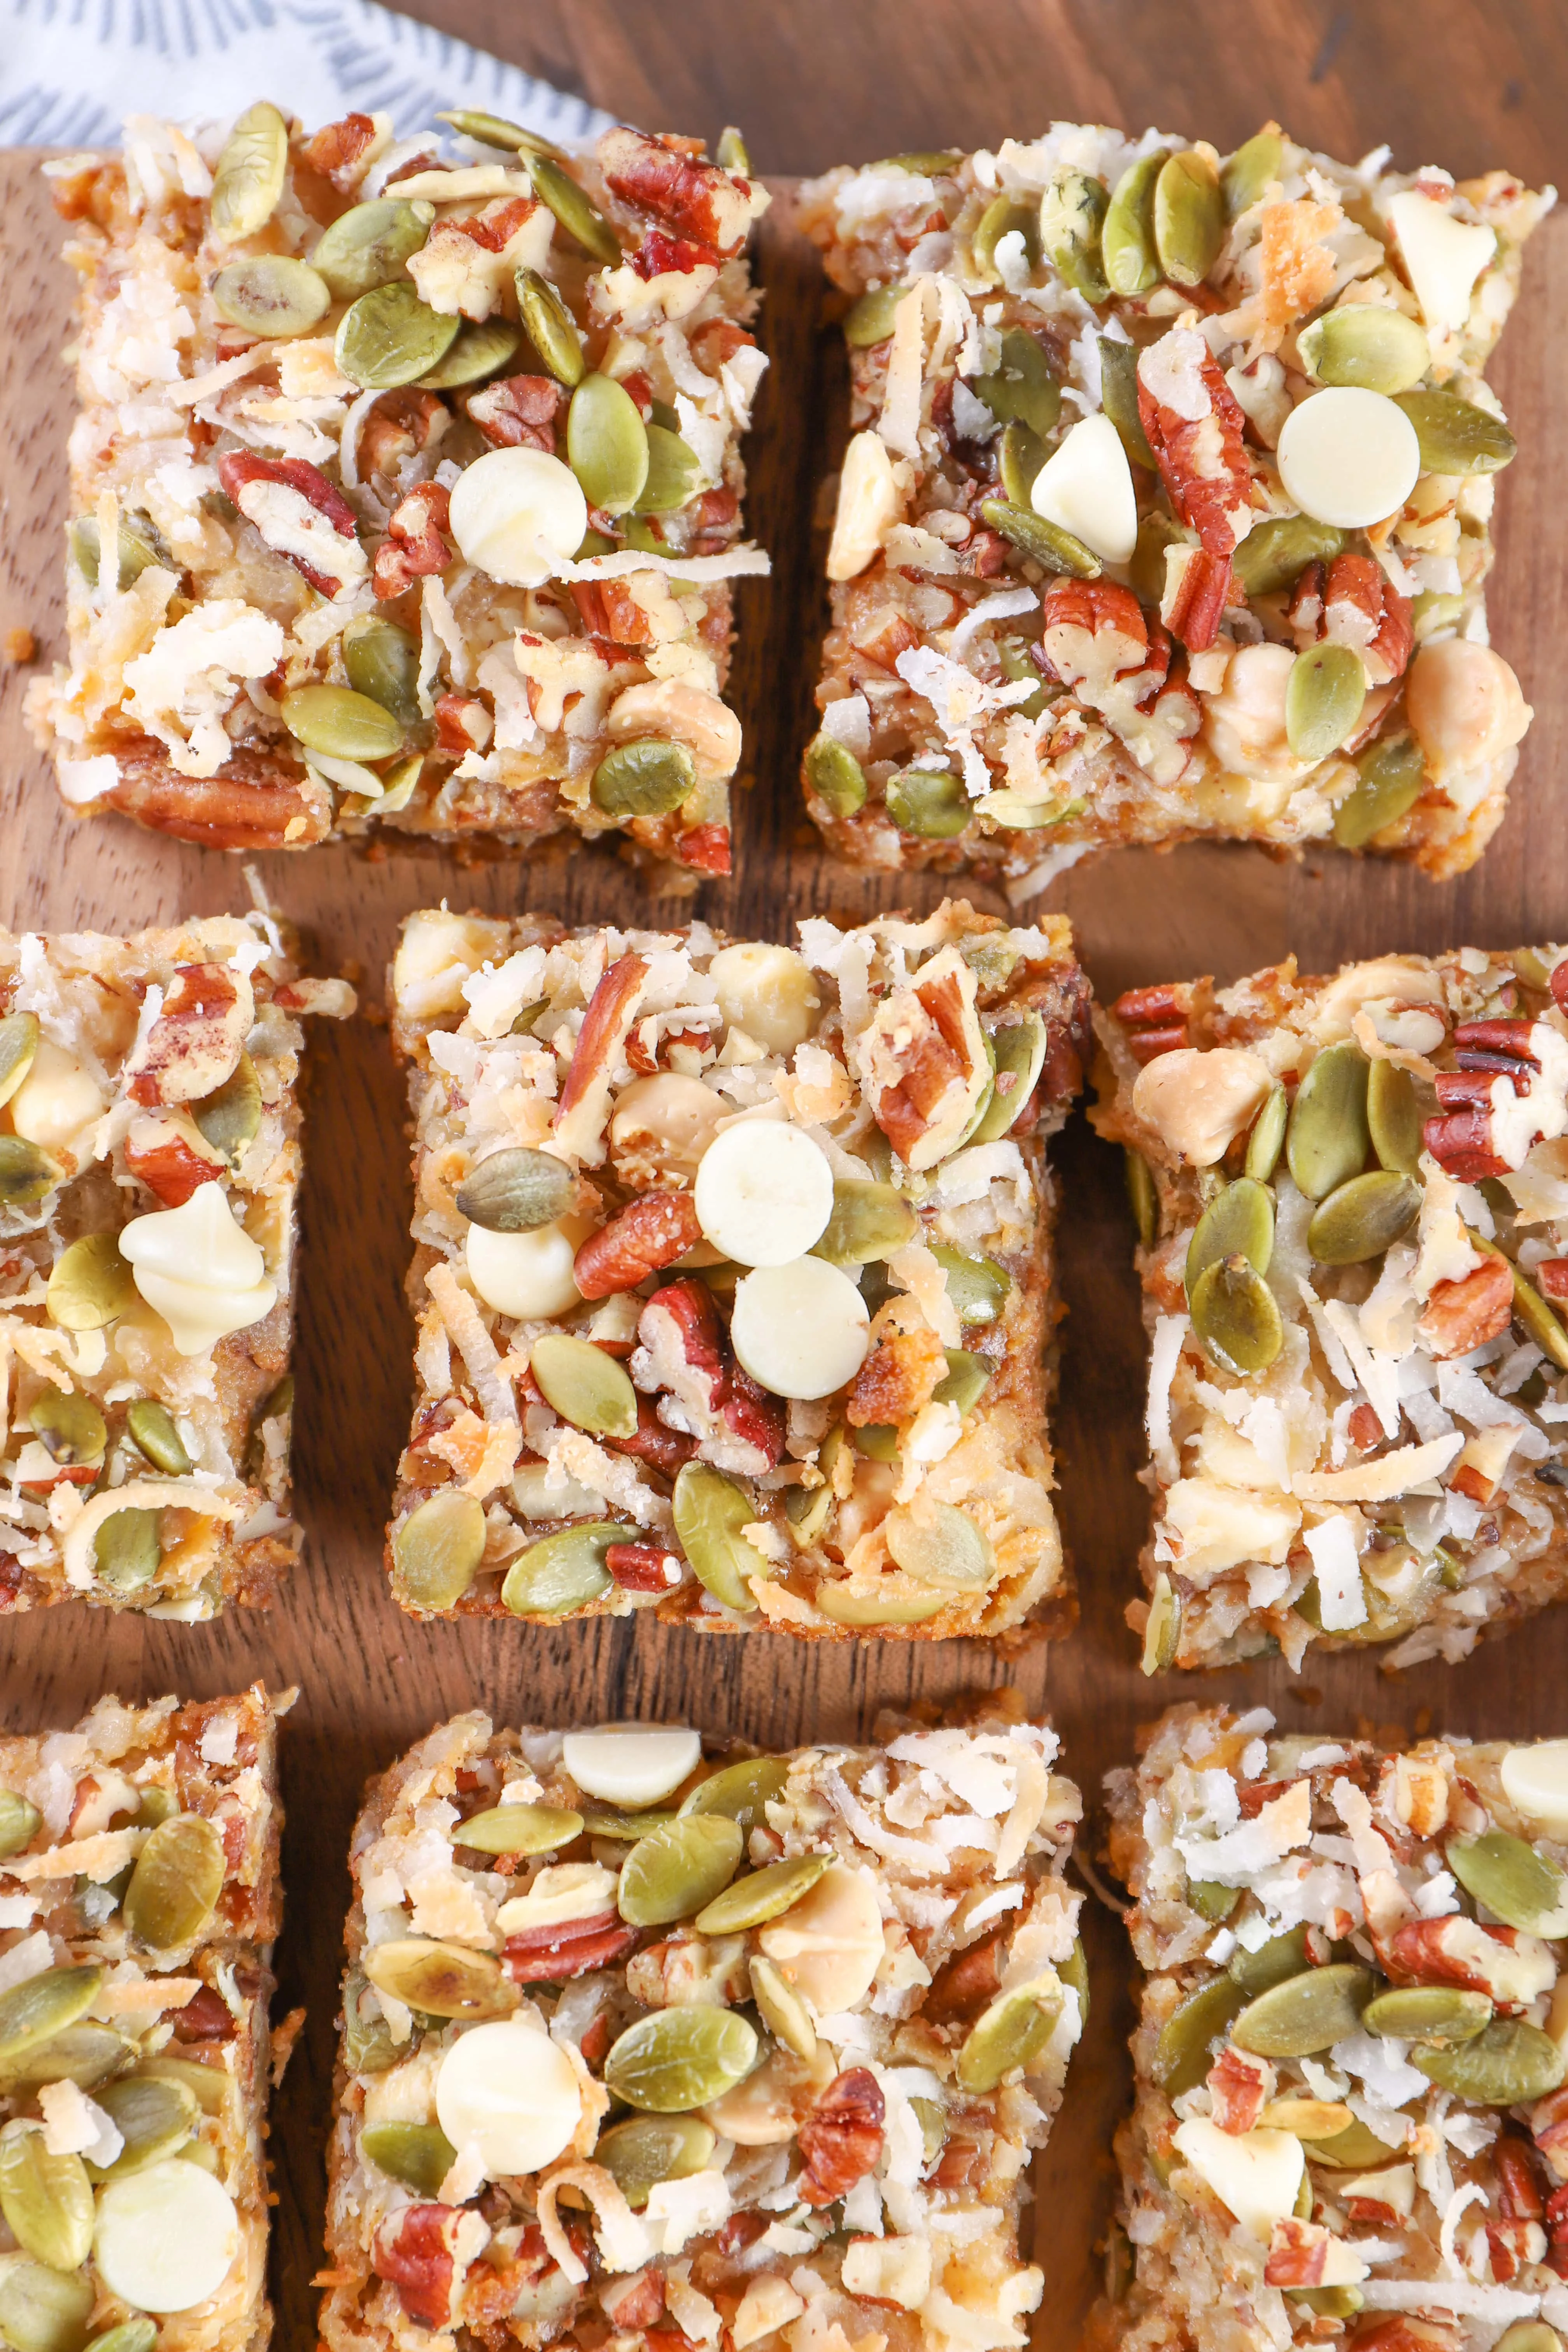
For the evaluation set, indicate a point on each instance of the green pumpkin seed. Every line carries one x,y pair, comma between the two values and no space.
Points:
1327,1140
977,1286
249,176
27,1175
440,1979
1431,612
1235,1317
1020,456
1389,780
1323,699
518,1829
1020,1051
383,664
871,317
928,802
418,2154
563,1571
1354,2149
1506,2065
606,444
368,2045
1393,1117
674,473
126,1549
271,294
1274,1962
1127,240
34,2011
1189,218
1143,1195
399,782
1529,2336
1211,1901
389,338
515,1192
648,778
1539,1320
968,1378
1306,2014
1019,815
19,1823
1273,555
1072,217
741,1792
176,1882
782,2010
1255,164
623,1828
84,2053
495,131
1443,2015
130,2335
479,347
761,1896
710,1510
18,1044
731,154
43,2310
339,723
154,2117
229,1119
1516,1883
868,1222
138,545
1162,1627
887,1606
676,1871
47,2200
941,1546
1368,344
834,775
554,187
1363,1217
1004,216
1022,385
929,162
1327,2301
370,244
550,328
645,2150
1119,398
437,1550
69,1428
1009,2034
1266,1140
1455,435
91,1285
1239,1220
808,1510
583,1385
679,2059
1043,541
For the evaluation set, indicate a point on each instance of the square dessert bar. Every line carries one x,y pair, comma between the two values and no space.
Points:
139,1902
1166,510
734,1273
1349,2116
405,488
149,1163
1353,1200
649,2042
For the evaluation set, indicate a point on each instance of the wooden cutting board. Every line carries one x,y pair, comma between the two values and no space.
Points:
370,1681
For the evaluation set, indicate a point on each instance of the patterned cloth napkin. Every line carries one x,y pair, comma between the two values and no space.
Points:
75,68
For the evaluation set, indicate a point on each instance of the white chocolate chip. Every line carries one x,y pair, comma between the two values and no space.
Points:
1198,1102
768,991
1086,486
801,1329
1348,457
167,2238
1443,256
1465,705
55,1100
867,506
630,1763
829,1945
506,2089
1256,2175
198,1269
516,513
1535,1778
526,1275
764,1194
664,1124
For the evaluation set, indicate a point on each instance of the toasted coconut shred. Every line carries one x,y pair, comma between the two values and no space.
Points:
848,2172
1398,2184
626,1431
1090,644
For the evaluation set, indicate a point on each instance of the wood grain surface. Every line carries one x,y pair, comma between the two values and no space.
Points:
371,1681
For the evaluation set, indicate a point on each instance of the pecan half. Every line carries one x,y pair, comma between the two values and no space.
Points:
650,1233
572,1947
691,199
841,2139
257,802
1463,1315
518,412
301,516
1092,632
195,1042
586,1092
1199,448
682,1355
414,544
1353,602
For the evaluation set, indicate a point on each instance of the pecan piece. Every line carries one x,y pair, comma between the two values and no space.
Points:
705,848
1461,1142
1463,1315
689,198
160,1158
585,1093
1240,2086
463,724
841,2139
518,412
896,1379
411,2250
756,1419
338,150
400,426
1198,447
195,1042
414,544
1511,1967
300,515
632,2303
205,2018
969,1979
1155,1020
659,255
1361,607
1196,593
1519,2185
661,1448
1092,632
650,1233
923,1062
572,1947
643,1568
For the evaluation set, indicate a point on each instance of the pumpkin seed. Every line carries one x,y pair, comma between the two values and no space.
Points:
18,1044
155,2119
1020,456
977,1286
26,1174
388,337
782,2010
1506,2065
1127,240
834,775
399,782
1074,1971
383,664
155,1805
645,2150
418,2154
1363,1217
176,1882
46,2199
1022,386
1009,2034
34,2011
624,1828
1389,777
808,1510
1393,1117
515,1192
43,2310
968,1378
1529,2336
370,244
763,1894
867,1223
550,328
563,1571
1119,398
479,347
19,1823
368,2045
1328,2301
344,725
1072,217
495,131
440,1979
230,1117
1019,1049
1306,2014
1327,1139
648,778
1019,815
674,472
941,1545
1144,1194
554,187
731,154
1274,1962
126,1549
437,1550
91,1285
1441,2015
1323,699
1189,218
675,1870
887,1605
1273,555
932,2121
130,2335
1268,1136
679,2059
871,317
741,1792
711,1511
518,1829
606,444
1539,1320
1369,344
583,1385
930,163
249,176
1235,1317
1211,1901
1455,435
1043,541
138,545
929,803
84,2053
69,1428
1515,1883
1354,2149
1004,216
1239,1220
271,294
1255,164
